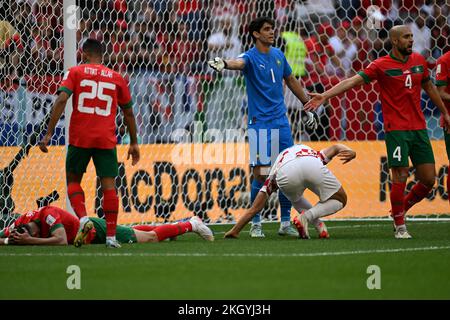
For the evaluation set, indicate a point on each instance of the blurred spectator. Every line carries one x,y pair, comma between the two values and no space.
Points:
10,49
295,51
46,48
221,9
409,8
384,7
316,9
185,51
49,10
319,77
294,47
440,33
347,9
421,34
145,12
193,14
428,7
223,43
362,44
226,94
344,47
320,53
24,22
118,46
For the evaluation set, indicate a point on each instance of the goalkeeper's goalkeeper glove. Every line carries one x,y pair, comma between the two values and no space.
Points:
310,120
217,64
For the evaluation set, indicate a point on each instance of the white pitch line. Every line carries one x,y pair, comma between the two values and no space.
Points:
356,226
262,255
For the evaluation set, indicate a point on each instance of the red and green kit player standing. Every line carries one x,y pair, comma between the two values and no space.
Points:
402,75
97,91
443,85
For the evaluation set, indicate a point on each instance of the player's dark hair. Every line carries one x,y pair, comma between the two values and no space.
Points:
257,24
93,47
23,228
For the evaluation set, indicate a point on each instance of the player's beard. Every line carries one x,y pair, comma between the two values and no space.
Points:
404,51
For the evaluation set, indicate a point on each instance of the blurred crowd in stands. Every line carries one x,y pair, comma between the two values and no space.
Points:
324,41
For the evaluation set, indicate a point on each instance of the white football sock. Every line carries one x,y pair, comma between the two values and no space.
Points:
285,224
323,209
302,204
83,219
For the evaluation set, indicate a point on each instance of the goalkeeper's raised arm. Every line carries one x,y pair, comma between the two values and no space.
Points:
219,64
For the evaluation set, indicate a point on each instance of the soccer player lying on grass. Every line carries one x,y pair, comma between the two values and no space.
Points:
45,226
296,169
94,231
54,226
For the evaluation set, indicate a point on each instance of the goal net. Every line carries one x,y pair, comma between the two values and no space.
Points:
192,122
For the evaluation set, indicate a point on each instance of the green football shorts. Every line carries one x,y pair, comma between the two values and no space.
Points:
447,144
123,234
105,161
415,144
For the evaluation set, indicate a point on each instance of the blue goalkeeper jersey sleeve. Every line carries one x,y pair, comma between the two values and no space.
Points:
264,73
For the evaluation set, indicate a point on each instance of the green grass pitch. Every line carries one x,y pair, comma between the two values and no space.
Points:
271,268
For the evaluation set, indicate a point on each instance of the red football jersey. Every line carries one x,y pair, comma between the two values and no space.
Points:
400,88
443,77
48,218
97,91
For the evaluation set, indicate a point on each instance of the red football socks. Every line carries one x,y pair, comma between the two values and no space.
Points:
144,227
417,193
76,197
448,183
110,208
397,202
172,230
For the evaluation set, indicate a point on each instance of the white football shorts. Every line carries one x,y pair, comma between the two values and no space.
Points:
306,173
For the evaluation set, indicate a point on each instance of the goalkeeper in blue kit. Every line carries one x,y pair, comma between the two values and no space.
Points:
264,67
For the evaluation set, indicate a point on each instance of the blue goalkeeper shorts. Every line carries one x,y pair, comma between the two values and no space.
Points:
267,139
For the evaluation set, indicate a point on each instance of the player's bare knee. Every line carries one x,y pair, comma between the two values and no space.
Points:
340,196
107,183
428,181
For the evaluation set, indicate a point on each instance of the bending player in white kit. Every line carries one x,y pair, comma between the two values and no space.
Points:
298,168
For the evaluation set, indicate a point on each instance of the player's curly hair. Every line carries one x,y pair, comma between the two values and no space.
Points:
256,25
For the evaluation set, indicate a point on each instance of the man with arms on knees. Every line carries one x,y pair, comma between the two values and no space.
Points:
264,68
402,75
296,169
97,91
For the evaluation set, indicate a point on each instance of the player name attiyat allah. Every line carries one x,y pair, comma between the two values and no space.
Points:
93,71
195,310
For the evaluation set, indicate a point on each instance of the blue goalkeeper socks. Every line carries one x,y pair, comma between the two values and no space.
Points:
285,206
256,186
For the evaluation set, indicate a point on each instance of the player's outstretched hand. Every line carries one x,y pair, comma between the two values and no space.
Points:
316,100
133,151
44,143
231,235
311,120
21,238
217,64
346,155
447,123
